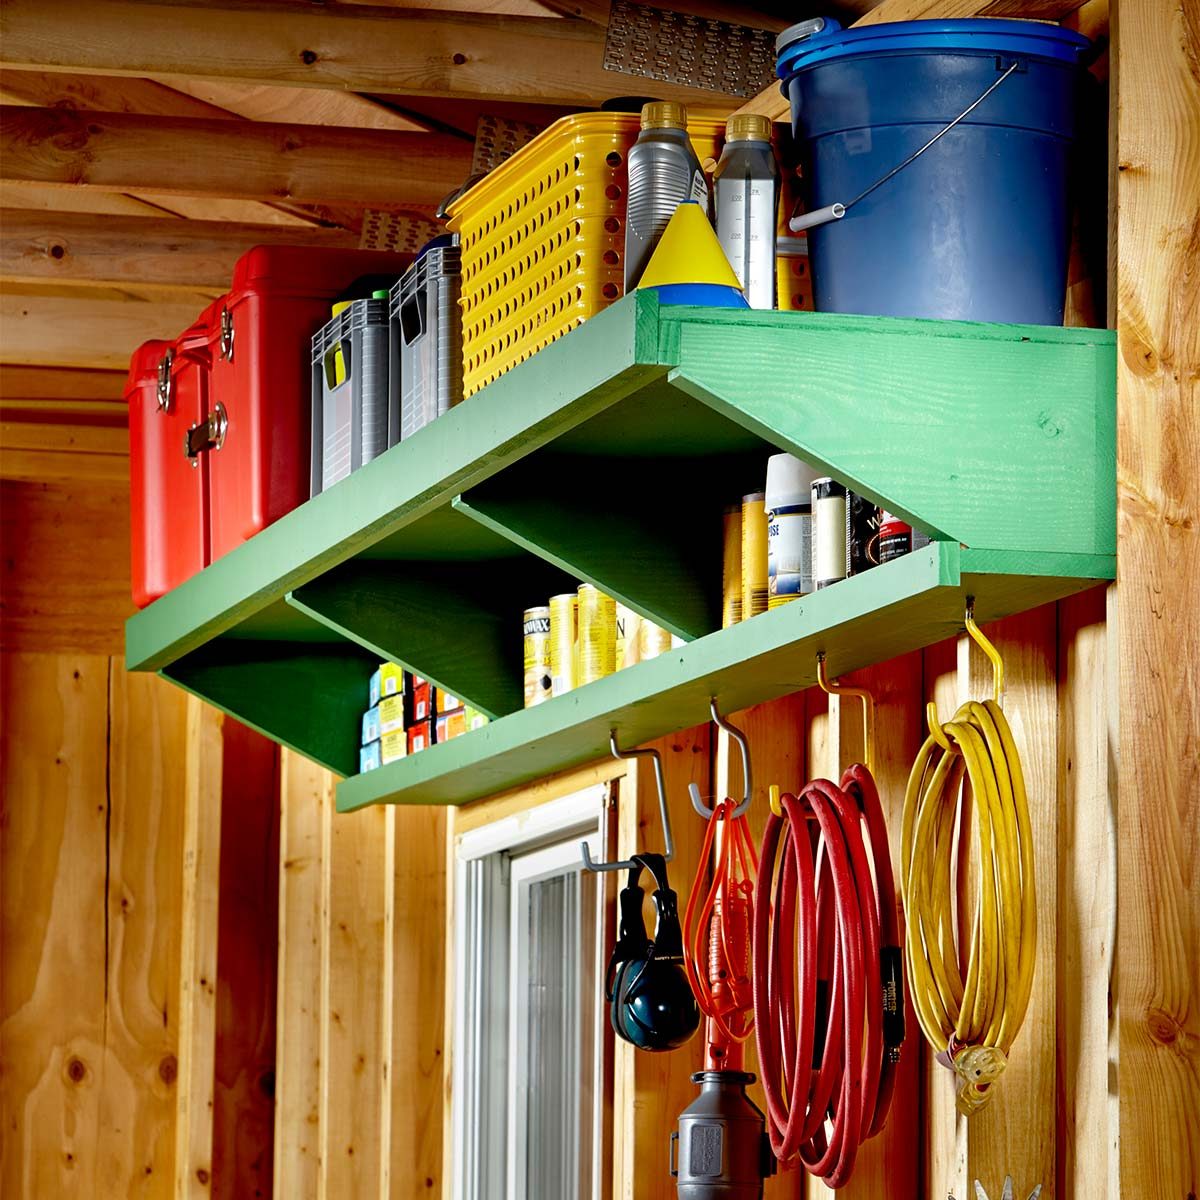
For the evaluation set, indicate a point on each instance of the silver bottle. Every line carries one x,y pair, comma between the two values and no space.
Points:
746,187
663,172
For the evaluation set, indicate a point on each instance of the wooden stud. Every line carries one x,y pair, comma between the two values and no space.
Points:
1087,1116
198,954
247,160
356,985
355,48
1156,161
87,249
651,1090
248,927
419,930
306,807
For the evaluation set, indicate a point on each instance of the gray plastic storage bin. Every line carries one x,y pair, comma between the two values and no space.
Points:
426,340
352,417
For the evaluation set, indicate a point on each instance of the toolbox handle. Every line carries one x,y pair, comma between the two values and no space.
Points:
329,364
412,317
209,434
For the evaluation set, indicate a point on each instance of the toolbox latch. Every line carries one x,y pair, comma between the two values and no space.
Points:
166,386
226,335
208,435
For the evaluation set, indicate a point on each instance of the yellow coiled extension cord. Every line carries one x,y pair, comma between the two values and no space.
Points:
970,1021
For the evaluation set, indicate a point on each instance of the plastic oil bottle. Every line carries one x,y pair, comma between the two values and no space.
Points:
746,186
663,172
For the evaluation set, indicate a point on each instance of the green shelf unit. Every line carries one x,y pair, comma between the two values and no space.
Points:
608,457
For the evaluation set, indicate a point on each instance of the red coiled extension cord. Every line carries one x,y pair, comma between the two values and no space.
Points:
717,946
827,986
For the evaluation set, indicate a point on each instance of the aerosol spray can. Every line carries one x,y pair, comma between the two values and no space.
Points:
663,172
746,194
537,655
597,634
789,529
731,566
564,642
830,543
898,538
754,555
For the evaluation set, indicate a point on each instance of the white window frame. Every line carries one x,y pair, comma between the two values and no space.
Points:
492,864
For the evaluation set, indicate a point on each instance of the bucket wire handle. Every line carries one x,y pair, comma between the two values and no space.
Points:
836,211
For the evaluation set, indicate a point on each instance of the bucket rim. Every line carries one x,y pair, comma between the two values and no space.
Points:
983,35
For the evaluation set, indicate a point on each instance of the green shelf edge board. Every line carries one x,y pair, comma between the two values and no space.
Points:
904,605
800,380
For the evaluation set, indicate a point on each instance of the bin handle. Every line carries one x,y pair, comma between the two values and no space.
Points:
836,211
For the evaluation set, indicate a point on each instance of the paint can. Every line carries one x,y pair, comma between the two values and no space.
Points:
897,538
653,640
597,634
789,529
830,548
862,533
629,626
754,555
537,655
731,567
564,642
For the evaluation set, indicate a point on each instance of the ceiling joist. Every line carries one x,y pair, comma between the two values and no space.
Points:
357,48
118,152
86,250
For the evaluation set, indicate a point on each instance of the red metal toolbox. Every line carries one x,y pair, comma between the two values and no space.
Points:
167,394
258,442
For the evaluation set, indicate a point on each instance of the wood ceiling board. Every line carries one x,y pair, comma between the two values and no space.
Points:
904,605
79,248
226,159
82,330
58,383
358,49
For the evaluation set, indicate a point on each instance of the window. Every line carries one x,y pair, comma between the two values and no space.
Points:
529,1038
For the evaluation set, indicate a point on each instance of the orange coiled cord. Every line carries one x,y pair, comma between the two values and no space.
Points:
717,937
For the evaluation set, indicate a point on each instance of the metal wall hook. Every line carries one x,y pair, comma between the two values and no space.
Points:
868,703
982,642
747,784
589,864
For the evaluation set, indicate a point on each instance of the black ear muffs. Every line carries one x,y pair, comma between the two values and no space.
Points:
651,1005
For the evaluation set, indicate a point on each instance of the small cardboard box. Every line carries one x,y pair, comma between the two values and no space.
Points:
370,726
446,703
394,746
388,680
475,719
369,758
420,736
391,714
421,704
450,725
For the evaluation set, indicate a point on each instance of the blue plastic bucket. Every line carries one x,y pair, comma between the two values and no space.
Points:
977,227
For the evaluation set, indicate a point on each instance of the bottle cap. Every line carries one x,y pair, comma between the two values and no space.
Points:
380,294
747,127
664,114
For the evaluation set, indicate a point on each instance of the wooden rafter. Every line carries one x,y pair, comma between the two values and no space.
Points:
83,249
245,160
355,48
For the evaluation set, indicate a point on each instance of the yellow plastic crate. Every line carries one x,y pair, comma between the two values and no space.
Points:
543,238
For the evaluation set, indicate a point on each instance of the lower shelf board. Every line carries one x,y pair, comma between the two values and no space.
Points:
901,606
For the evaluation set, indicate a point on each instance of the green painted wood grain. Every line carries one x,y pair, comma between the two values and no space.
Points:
456,624
307,697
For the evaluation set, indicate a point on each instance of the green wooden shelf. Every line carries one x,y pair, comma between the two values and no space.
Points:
608,457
